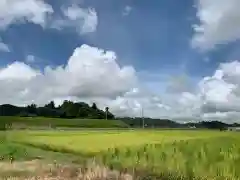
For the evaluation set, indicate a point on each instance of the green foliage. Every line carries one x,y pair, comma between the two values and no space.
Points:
29,122
2,126
10,110
152,154
32,109
82,110
51,105
192,159
94,106
67,110
20,152
165,123
49,112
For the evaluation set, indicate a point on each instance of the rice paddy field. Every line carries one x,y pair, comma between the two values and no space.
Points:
150,154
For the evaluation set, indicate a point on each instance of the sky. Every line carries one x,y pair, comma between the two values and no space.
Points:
172,59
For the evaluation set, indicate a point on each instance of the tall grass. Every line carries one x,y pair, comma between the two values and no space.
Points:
96,141
26,122
152,154
216,158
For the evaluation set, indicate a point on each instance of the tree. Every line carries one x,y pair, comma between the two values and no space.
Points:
106,111
32,109
10,110
67,110
51,105
94,106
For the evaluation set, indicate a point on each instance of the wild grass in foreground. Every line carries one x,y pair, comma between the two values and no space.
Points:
151,154
41,170
215,158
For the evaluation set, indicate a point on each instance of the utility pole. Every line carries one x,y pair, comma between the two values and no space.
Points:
106,111
143,123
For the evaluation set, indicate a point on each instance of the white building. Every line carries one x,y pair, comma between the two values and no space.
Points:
234,128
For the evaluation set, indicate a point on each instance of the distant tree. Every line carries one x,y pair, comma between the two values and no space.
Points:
9,110
68,109
94,106
83,112
51,105
32,109
106,111
49,112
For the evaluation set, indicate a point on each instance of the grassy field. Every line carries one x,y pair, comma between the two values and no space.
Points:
38,122
172,154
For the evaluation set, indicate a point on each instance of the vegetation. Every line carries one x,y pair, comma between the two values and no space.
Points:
2,125
153,154
46,123
95,141
67,110
80,110
149,154
166,123
202,159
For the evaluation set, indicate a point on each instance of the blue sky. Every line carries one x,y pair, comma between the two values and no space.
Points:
160,41
155,36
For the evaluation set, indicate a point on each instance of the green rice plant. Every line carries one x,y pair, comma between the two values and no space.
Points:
153,154
202,159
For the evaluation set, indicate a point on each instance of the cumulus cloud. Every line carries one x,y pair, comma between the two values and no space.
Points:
94,75
219,23
90,72
17,71
84,20
221,92
19,11
215,97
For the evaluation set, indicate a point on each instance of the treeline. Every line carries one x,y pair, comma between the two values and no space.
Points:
38,123
67,110
165,123
81,110
150,122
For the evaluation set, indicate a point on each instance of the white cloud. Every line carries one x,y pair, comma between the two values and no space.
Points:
90,72
220,94
93,75
16,71
83,20
19,11
216,97
219,23
127,10
4,47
